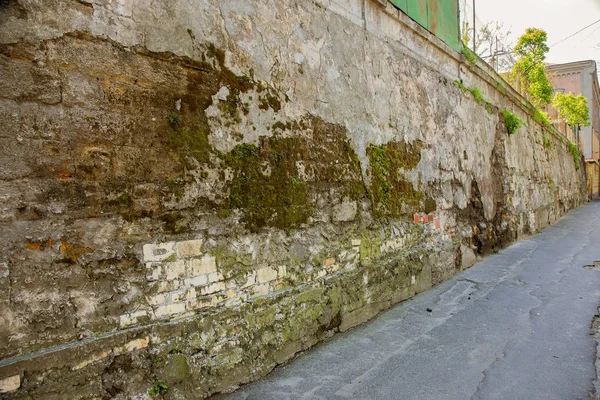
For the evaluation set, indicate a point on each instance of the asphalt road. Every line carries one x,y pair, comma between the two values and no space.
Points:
515,326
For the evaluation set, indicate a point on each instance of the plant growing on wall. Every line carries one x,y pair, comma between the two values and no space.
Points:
529,69
576,153
157,389
573,109
512,121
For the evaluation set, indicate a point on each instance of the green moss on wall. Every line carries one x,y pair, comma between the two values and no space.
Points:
267,185
276,182
393,195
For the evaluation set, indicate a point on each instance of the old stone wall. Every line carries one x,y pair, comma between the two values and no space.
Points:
191,193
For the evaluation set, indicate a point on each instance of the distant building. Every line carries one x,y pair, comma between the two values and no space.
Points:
580,77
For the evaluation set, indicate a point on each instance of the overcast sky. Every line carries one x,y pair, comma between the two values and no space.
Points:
559,18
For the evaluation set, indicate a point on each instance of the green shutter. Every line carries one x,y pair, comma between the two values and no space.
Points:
417,10
401,4
439,17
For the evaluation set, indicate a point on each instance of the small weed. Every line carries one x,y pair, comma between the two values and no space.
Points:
477,95
576,153
175,350
173,118
157,389
512,121
460,85
470,56
547,142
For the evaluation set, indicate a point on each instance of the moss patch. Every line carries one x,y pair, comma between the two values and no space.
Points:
275,182
393,195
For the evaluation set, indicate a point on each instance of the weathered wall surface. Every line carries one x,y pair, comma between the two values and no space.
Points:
193,192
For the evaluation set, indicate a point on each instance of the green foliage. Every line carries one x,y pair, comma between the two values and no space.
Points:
477,95
470,56
512,121
574,109
158,388
465,34
576,153
541,117
173,118
529,69
532,44
547,142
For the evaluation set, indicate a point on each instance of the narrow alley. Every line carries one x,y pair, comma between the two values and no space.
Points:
515,326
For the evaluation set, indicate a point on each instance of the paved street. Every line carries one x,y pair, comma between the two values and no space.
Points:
515,326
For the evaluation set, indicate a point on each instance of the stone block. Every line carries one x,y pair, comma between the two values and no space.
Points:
164,286
190,294
189,248
345,211
213,288
159,298
201,280
133,345
174,270
94,358
169,309
10,384
204,265
153,271
468,257
197,304
261,290
266,275
250,280
282,271
215,277
356,242
154,252
4,271
129,319
328,261
178,296
183,295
